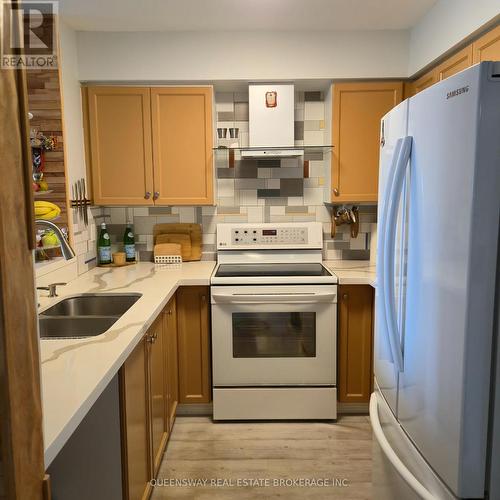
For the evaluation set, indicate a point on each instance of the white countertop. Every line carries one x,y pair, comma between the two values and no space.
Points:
75,372
353,272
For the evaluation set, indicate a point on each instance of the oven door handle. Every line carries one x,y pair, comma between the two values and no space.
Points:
247,298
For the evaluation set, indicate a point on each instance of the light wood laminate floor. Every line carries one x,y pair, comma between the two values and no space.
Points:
256,452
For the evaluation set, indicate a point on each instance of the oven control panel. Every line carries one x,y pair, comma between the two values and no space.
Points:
270,235
249,236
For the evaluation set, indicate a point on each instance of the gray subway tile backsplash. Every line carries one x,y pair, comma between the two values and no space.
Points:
160,210
296,210
299,130
268,163
314,155
268,193
256,190
240,111
291,187
314,95
225,116
245,170
225,173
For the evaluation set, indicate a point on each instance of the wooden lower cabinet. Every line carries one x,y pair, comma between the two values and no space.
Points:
135,424
170,353
355,343
171,364
194,344
144,412
157,393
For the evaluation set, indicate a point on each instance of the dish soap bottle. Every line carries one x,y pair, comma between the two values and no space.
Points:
129,243
104,246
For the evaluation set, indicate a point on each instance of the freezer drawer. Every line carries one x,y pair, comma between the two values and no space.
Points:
399,471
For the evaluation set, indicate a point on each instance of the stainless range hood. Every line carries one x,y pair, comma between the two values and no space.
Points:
271,121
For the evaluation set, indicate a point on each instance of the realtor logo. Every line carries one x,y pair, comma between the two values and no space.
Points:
28,35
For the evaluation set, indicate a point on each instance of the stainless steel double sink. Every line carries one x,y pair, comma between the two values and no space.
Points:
85,315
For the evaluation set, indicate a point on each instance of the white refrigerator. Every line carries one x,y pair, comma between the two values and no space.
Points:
435,411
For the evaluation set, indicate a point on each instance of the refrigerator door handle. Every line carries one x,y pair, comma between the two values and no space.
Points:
403,155
391,455
380,252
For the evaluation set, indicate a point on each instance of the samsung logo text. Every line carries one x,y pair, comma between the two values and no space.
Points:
454,93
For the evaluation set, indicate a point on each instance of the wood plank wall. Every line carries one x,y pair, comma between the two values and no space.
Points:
44,101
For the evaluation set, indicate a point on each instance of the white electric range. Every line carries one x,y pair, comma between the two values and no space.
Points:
274,323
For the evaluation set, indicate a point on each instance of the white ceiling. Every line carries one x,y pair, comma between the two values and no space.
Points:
242,15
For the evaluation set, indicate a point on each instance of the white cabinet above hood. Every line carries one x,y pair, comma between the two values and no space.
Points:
271,117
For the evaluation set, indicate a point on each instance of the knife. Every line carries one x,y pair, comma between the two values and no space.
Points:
77,207
79,195
73,200
85,213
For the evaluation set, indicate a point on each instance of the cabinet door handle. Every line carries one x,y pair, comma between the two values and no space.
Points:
336,191
147,195
156,195
345,296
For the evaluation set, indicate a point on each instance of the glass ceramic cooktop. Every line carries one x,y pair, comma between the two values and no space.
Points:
250,270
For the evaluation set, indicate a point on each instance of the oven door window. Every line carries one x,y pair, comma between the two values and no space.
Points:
274,335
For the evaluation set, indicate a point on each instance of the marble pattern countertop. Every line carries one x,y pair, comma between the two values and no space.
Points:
353,272
74,372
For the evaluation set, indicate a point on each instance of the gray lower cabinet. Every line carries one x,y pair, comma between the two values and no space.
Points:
89,465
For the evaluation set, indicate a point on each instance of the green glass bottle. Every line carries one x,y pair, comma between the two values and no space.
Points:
104,246
129,243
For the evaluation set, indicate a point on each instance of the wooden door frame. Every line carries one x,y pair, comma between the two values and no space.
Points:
21,431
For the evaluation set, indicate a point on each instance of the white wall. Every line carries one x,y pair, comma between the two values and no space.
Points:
150,56
72,111
83,237
209,56
445,25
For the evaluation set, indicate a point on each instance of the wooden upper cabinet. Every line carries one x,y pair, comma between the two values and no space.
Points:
355,337
457,62
357,111
408,89
487,48
119,119
182,145
193,344
426,80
